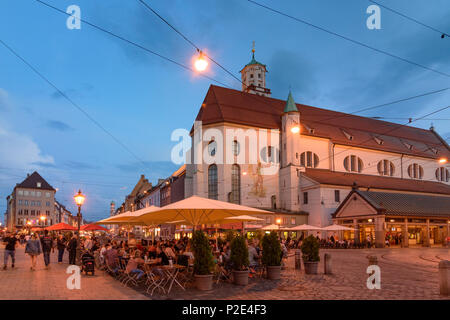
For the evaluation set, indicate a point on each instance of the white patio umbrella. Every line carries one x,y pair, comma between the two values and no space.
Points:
197,211
271,227
304,227
337,227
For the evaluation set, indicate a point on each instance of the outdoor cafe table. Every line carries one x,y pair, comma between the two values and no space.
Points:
172,273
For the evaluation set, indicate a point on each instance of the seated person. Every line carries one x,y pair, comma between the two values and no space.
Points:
161,257
132,265
111,258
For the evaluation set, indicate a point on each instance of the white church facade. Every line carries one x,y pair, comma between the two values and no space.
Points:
323,156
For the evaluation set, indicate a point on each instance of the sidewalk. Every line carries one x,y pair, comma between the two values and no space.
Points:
42,284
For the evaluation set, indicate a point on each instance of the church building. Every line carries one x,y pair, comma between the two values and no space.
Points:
385,180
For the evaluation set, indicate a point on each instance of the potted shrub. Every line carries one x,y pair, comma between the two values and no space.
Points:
271,255
203,261
239,260
310,254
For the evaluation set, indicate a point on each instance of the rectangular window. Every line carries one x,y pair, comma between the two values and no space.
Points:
25,212
337,196
25,193
32,212
47,204
38,194
292,220
20,212
20,192
47,194
20,202
305,197
32,193
25,202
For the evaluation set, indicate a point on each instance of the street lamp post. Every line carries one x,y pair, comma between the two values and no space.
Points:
79,200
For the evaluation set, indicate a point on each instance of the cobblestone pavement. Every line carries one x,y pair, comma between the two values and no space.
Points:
42,284
405,274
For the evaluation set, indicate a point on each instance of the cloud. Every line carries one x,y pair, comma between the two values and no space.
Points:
20,151
77,165
4,101
58,125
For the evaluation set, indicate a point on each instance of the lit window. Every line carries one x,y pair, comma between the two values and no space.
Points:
386,168
309,159
38,184
415,171
442,174
353,164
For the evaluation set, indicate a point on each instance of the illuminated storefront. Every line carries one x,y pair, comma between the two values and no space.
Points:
395,219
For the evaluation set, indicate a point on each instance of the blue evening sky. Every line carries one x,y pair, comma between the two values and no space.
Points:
141,98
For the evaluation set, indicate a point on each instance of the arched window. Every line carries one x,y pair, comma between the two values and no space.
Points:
415,171
235,184
309,159
353,164
235,148
273,201
386,168
212,148
442,174
270,154
212,182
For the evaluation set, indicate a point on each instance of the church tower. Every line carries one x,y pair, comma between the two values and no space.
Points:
253,77
290,158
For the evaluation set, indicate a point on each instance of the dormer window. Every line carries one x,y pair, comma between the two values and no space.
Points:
309,129
38,184
408,145
378,140
347,135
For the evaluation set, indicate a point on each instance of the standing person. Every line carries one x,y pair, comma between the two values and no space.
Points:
10,249
33,248
47,246
72,248
88,243
61,246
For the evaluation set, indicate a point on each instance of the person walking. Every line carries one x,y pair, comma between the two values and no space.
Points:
47,246
72,248
61,246
10,242
33,248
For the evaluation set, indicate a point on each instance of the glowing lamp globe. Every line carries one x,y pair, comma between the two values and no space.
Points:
79,198
295,129
200,63
442,160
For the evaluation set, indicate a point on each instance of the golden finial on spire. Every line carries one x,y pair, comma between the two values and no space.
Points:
253,46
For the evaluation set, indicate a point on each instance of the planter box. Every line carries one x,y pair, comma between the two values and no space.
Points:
240,277
273,272
311,267
203,282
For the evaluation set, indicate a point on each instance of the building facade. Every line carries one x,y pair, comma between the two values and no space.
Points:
32,203
319,155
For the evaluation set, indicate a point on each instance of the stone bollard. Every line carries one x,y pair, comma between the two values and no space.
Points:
373,260
444,277
327,264
298,261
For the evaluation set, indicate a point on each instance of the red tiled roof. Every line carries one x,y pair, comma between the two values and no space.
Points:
323,176
233,106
